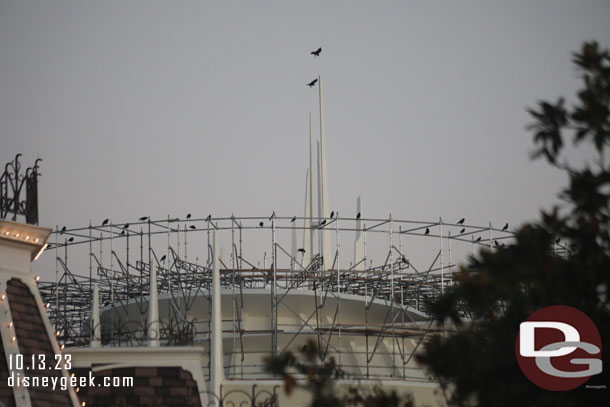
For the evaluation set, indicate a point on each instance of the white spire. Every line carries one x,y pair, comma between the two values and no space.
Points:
359,262
307,238
324,210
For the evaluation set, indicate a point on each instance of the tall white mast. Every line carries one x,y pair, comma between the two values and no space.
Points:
325,211
359,241
307,238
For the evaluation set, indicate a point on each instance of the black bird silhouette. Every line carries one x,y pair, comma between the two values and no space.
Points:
193,227
505,227
461,221
312,83
404,259
358,216
478,239
427,231
105,222
462,231
143,218
125,226
323,222
209,218
122,233
496,243
62,230
293,219
188,216
302,250
162,258
558,240
316,53
261,224
332,214
70,240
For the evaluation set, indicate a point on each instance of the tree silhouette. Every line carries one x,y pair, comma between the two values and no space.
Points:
499,289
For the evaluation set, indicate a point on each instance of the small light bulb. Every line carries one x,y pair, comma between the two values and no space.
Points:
36,240
57,333
13,338
48,305
77,389
3,296
27,237
17,235
62,346
37,278
10,324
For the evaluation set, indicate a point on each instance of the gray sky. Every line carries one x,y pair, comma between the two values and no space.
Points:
155,108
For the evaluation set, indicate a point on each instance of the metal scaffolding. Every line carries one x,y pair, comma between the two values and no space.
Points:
384,271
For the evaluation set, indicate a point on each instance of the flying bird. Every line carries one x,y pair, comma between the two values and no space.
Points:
162,258
193,227
312,83
427,232
105,222
462,231
143,218
461,221
505,227
188,216
316,53
293,219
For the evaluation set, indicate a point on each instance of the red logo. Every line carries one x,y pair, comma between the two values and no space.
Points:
558,348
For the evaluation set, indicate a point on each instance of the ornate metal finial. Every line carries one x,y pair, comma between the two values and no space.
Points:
11,186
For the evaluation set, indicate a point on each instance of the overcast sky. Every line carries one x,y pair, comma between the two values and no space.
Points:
156,108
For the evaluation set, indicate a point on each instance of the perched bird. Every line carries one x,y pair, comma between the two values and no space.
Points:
193,227
143,218
316,53
62,230
358,216
209,218
105,222
496,243
122,233
404,259
558,240
427,232
505,227
301,250
188,215
478,239
125,226
162,258
462,231
323,222
70,240
293,219
332,214
461,221
261,224
312,83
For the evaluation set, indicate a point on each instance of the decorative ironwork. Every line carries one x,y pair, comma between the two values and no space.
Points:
12,183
